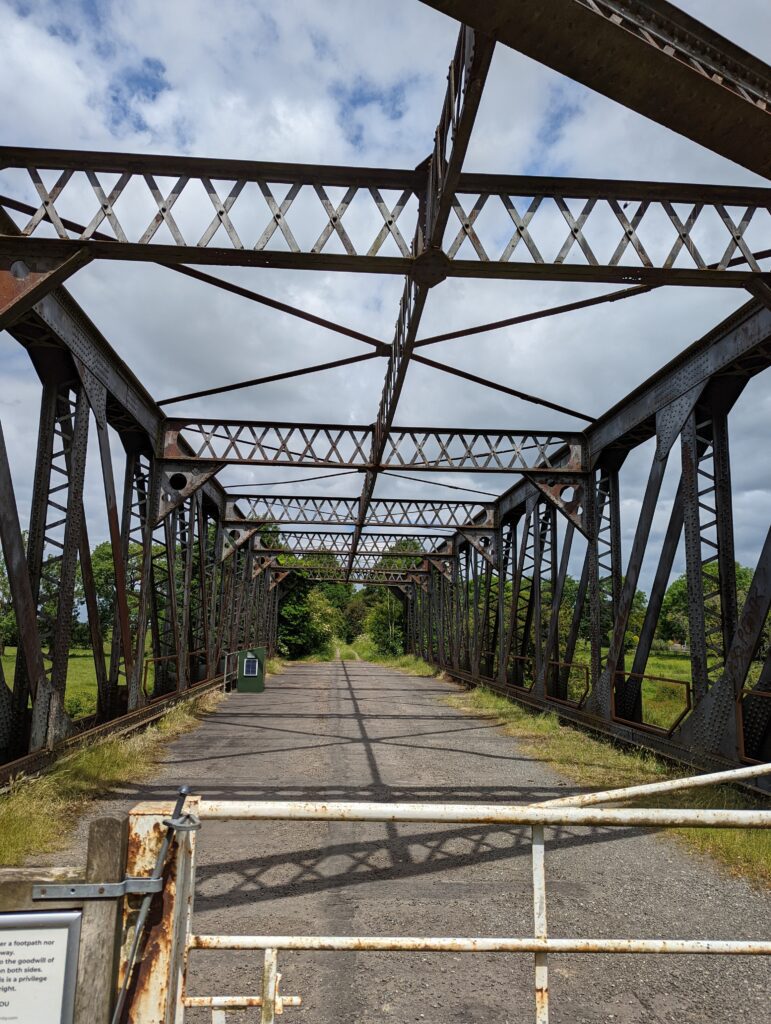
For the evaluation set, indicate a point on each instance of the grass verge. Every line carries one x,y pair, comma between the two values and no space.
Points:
273,666
317,658
80,696
598,763
408,663
36,815
347,652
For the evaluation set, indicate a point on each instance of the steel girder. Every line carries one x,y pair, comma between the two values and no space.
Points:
385,545
483,225
335,446
365,577
501,614
648,55
323,510
170,596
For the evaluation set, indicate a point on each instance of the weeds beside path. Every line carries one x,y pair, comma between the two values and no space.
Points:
37,815
598,763
362,649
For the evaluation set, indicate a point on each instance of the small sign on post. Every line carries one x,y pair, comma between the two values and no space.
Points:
251,670
38,966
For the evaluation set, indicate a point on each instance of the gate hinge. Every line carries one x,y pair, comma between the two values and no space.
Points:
98,890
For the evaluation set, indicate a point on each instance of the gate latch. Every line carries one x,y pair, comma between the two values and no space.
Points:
98,890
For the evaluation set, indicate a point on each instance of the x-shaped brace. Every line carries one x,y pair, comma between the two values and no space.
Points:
164,205
390,218
335,215
222,214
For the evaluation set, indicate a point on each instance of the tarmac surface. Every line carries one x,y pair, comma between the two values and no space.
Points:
357,731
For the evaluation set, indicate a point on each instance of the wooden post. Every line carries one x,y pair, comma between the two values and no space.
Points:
100,929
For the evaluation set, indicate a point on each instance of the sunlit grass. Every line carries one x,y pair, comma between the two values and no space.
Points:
80,697
37,815
316,658
599,764
408,663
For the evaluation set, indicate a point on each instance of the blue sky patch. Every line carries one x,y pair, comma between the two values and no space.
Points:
142,83
62,31
562,108
94,12
361,93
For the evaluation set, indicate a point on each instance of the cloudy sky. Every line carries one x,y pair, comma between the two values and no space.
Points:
356,82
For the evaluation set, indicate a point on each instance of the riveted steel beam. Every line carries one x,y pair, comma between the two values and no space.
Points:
326,510
385,545
648,55
334,446
533,227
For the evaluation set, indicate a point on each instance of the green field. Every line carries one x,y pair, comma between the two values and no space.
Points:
664,685
80,698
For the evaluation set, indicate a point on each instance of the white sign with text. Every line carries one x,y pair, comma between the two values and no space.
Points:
38,966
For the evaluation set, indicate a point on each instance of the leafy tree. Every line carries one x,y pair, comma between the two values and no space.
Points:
385,624
306,621
673,621
355,615
103,569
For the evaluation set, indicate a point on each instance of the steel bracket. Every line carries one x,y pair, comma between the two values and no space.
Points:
98,890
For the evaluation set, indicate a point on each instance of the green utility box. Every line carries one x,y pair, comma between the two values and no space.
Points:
251,670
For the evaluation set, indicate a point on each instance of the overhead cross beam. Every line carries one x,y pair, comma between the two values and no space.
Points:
384,545
648,55
373,560
483,225
323,445
364,576
326,510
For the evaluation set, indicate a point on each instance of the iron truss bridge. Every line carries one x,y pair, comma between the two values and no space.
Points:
200,569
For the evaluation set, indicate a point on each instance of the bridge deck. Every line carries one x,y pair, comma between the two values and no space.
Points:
358,731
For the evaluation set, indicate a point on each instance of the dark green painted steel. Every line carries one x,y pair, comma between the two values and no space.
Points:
251,683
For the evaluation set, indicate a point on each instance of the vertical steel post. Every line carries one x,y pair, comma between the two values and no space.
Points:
539,915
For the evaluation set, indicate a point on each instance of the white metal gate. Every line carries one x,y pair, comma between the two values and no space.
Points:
159,992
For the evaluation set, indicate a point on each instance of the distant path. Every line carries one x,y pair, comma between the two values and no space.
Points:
356,731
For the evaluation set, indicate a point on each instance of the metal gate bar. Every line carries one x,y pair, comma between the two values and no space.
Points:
477,814
537,817
444,944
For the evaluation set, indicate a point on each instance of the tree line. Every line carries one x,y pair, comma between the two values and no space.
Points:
312,616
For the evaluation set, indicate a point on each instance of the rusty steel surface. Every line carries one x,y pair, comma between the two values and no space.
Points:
200,570
648,55
458,198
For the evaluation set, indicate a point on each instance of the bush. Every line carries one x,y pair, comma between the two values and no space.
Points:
307,623
385,625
